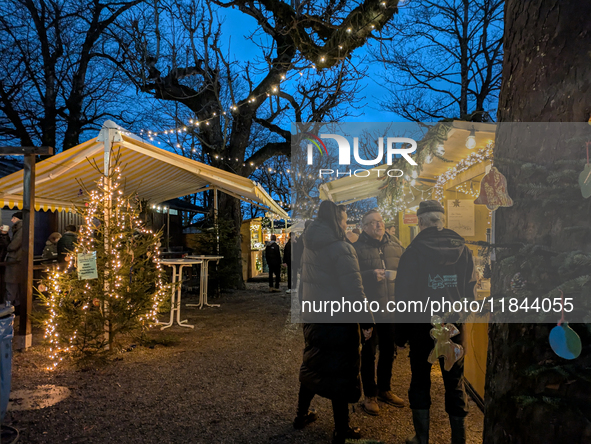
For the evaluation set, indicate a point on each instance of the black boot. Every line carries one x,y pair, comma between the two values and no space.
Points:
302,421
458,429
339,437
420,419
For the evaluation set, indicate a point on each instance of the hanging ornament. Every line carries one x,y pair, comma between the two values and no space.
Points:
493,191
565,342
444,347
585,177
517,283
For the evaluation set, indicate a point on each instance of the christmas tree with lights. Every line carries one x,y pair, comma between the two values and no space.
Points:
91,307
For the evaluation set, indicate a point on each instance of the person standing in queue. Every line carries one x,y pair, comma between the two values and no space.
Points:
377,252
331,361
273,256
434,252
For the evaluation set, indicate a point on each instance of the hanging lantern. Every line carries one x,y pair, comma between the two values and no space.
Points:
493,191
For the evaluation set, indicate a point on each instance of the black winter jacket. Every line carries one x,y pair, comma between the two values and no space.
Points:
66,245
437,264
370,253
287,253
330,271
273,255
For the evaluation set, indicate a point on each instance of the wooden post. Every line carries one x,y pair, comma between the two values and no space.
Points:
24,337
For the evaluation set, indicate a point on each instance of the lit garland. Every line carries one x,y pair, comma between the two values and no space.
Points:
125,249
461,166
468,189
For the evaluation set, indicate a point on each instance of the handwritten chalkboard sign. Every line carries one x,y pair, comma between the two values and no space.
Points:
87,266
460,216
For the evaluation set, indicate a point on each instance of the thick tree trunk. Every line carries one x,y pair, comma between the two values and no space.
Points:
229,209
532,395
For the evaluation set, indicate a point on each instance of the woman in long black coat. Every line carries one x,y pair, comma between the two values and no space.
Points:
330,367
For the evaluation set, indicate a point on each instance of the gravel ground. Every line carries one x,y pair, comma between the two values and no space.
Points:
233,379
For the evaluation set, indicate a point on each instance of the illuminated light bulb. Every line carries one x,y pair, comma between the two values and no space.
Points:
471,139
349,30
322,59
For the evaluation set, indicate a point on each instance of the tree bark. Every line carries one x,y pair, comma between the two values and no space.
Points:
532,395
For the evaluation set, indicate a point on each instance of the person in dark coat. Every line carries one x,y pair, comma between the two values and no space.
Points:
436,252
377,252
331,360
13,276
66,244
287,261
50,250
273,256
4,241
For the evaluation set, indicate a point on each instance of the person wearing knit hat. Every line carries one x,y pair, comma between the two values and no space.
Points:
430,206
18,215
437,265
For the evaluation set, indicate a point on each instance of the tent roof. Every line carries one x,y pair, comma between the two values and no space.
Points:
352,189
155,174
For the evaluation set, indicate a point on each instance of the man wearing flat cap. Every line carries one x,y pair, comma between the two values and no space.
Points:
437,264
14,269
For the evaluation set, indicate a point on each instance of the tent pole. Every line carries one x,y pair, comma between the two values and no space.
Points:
107,139
215,220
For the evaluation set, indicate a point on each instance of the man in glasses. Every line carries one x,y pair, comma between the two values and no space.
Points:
378,254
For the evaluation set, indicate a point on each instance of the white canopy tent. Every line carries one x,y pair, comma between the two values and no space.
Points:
154,174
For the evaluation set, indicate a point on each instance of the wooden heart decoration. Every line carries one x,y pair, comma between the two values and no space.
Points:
585,181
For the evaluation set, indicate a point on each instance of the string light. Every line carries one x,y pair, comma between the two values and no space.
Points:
462,165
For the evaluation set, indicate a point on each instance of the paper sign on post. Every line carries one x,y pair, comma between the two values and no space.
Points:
87,266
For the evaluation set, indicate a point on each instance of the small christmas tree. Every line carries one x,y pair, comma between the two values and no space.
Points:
86,315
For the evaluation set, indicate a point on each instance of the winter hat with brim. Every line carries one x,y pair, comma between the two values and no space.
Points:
18,215
430,206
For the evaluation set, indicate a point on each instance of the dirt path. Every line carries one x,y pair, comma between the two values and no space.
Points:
233,379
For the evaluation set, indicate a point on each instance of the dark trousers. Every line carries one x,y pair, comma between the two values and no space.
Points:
419,394
382,338
274,270
289,276
340,408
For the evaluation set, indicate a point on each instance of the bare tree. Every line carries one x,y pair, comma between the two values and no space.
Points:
52,85
443,59
174,52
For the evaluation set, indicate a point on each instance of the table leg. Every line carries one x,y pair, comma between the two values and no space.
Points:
200,304
172,298
178,309
205,272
